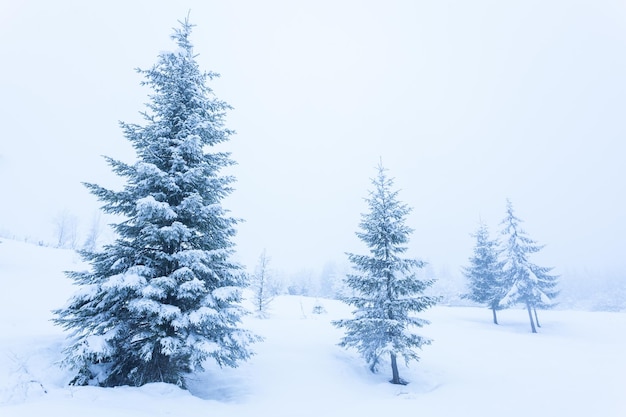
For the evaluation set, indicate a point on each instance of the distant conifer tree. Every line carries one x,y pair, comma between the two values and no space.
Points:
526,282
484,273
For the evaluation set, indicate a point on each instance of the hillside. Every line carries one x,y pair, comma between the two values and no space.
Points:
574,367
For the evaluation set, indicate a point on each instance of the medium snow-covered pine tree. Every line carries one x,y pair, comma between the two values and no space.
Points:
484,273
526,282
164,297
386,291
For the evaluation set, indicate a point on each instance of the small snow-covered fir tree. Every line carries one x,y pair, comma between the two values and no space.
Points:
164,297
484,273
386,291
526,282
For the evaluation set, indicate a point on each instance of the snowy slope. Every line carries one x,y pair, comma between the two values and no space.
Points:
575,366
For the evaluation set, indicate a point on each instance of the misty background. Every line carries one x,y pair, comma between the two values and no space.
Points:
466,103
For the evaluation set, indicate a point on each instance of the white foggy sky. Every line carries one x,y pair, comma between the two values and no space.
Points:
467,103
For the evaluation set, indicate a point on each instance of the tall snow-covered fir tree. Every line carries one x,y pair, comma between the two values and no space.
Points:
484,273
164,297
386,290
527,283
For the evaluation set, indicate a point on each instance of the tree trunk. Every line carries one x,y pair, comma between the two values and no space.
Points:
394,370
536,318
530,316
495,318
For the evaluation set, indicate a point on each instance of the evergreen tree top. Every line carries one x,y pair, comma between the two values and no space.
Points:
182,106
383,226
518,241
485,246
181,35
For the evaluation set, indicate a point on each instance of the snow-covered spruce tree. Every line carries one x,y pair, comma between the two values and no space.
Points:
484,273
526,282
386,291
164,297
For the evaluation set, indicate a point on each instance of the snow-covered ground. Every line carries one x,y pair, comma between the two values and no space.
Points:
574,366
